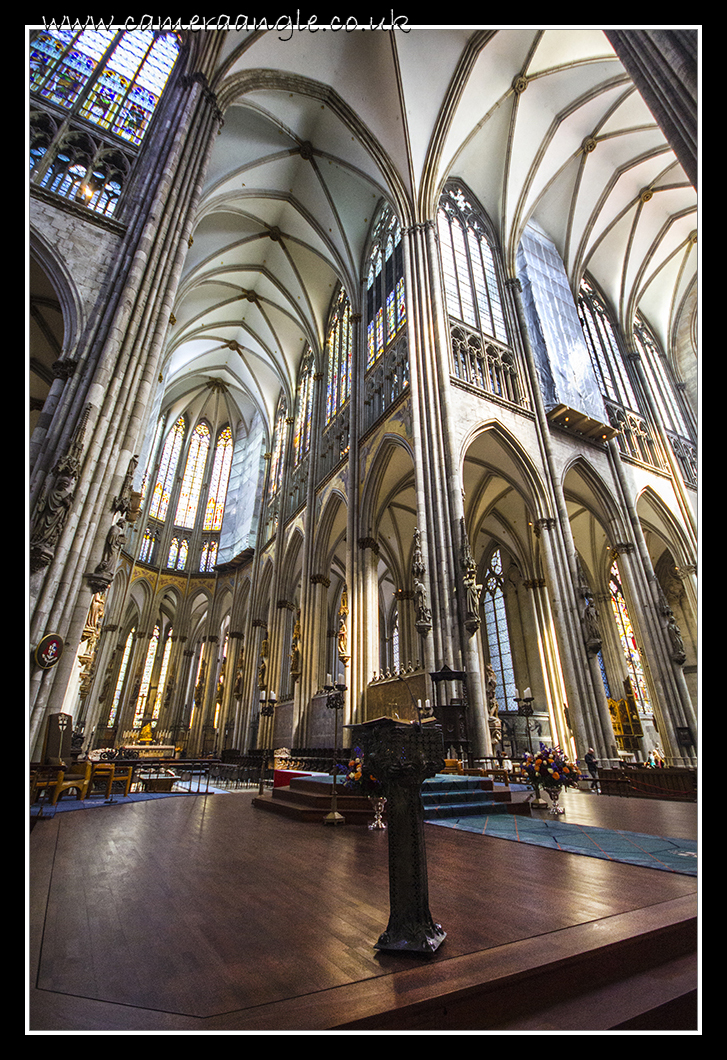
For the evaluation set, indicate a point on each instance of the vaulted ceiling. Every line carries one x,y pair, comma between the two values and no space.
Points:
541,125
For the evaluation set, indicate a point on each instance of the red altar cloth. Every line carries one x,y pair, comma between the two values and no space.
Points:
283,777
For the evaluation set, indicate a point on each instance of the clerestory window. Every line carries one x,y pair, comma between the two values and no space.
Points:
339,348
385,300
85,80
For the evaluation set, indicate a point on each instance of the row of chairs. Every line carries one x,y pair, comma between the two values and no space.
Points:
236,774
83,777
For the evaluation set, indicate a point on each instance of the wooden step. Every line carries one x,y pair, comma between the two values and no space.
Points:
309,799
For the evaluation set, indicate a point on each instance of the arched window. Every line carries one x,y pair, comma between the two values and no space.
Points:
496,628
624,410
304,409
167,471
209,554
220,479
280,434
606,358
178,552
120,679
627,636
385,301
146,551
110,78
151,655
339,350
660,378
193,477
470,279
163,675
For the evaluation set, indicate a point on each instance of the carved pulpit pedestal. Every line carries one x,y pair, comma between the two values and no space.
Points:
402,755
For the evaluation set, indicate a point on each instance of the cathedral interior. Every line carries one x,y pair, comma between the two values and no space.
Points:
363,358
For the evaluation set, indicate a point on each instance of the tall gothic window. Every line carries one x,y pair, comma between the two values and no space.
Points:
623,408
151,655
498,636
663,391
217,492
163,675
112,80
304,409
339,349
113,712
280,435
627,636
470,279
385,301
193,477
167,470
606,358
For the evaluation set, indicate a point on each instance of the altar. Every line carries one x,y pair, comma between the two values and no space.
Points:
150,750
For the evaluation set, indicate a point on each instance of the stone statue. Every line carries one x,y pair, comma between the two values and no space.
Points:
493,706
424,615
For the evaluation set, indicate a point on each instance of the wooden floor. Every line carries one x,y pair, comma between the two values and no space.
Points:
204,914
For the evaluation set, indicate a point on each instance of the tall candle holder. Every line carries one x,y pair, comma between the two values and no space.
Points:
267,709
335,701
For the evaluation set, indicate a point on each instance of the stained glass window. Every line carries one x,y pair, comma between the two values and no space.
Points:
209,555
498,636
339,350
630,647
146,678
385,302
280,434
167,470
468,267
112,79
146,551
193,477
304,410
163,674
178,552
220,478
120,679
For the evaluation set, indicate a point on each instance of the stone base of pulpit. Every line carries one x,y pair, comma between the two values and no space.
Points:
402,755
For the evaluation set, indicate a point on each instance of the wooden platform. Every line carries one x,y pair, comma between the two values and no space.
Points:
204,914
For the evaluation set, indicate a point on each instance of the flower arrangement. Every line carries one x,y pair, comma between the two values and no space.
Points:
550,769
359,780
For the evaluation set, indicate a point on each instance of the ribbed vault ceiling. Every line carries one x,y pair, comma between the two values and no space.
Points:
318,129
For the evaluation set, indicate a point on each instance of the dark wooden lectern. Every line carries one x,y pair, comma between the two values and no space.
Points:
402,755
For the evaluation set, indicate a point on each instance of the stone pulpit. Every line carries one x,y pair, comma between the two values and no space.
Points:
402,755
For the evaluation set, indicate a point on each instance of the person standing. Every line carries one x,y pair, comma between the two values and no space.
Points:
592,763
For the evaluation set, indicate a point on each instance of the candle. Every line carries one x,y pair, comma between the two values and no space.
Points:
329,680
527,694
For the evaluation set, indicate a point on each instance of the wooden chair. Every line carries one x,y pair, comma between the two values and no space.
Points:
108,774
42,779
452,765
78,777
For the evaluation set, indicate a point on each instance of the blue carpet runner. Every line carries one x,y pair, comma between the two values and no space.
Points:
46,810
654,852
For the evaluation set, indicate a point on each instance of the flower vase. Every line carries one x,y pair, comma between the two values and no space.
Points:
555,808
378,802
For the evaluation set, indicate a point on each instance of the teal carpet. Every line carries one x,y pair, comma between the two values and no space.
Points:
654,852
